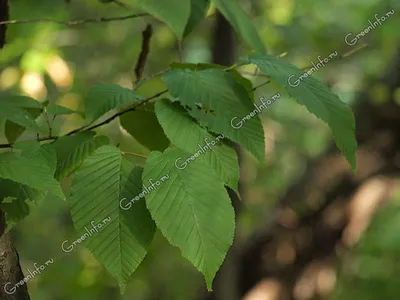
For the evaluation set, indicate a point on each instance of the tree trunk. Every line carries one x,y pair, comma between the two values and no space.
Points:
223,52
3,17
10,269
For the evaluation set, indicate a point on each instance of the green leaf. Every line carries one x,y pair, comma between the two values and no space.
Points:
202,66
140,122
221,99
28,171
104,97
175,13
19,191
13,109
197,13
316,97
15,211
240,21
192,209
103,180
13,131
54,109
245,82
24,196
44,154
23,101
17,200
34,108
73,150
189,136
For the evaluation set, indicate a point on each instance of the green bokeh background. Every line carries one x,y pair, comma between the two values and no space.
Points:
106,52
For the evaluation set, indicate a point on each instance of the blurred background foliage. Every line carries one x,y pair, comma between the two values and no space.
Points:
57,63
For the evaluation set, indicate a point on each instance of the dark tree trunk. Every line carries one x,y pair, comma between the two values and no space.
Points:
3,17
10,269
223,53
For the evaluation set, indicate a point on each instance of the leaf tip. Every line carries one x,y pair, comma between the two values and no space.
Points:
209,282
353,165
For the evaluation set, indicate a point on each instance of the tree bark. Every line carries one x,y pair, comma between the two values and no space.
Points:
223,53
10,269
4,14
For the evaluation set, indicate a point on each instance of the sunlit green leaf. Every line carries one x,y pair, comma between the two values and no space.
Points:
192,209
216,99
316,97
103,180
174,13
189,136
73,150
104,97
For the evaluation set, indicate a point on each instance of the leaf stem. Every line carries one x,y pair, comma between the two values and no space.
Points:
46,116
134,154
255,74
233,66
260,85
150,77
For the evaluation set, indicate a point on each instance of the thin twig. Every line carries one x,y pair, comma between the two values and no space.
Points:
351,52
234,66
256,71
76,22
347,54
150,77
134,154
80,128
142,59
342,56
86,126
46,116
260,85
125,111
52,120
